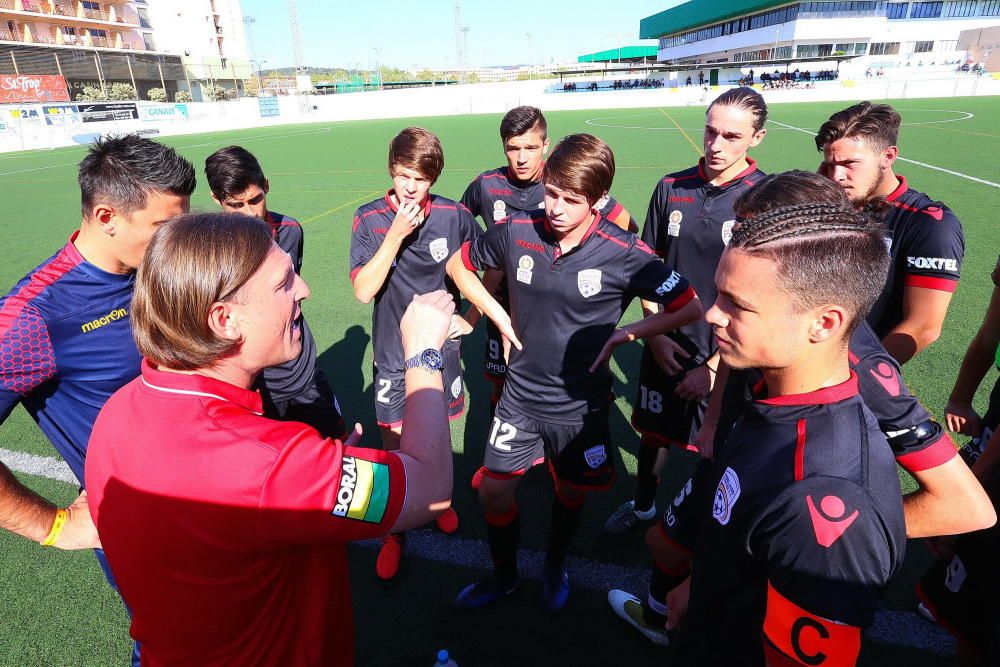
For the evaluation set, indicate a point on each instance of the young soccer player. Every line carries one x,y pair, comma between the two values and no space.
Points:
807,520
689,221
296,390
65,327
949,500
570,274
399,247
960,589
926,242
496,194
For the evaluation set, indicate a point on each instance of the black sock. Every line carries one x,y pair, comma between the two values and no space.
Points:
660,583
565,521
646,481
504,533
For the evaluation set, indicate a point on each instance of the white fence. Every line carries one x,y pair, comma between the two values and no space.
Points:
41,126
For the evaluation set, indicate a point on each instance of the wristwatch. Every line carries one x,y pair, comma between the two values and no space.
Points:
429,360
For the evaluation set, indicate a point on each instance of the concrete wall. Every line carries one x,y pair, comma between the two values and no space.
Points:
26,127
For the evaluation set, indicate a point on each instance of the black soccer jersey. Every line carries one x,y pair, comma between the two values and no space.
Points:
917,441
493,196
291,378
927,246
806,531
565,306
689,223
419,266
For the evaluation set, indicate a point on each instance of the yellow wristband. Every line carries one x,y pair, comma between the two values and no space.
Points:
57,528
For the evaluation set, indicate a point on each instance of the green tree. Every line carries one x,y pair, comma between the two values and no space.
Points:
182,96
157,95
120,92
92,94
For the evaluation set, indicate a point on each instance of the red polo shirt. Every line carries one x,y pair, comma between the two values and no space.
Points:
226,530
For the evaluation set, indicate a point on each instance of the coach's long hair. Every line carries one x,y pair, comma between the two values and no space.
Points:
825,250
192,262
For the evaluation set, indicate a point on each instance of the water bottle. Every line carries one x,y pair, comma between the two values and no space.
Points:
444,660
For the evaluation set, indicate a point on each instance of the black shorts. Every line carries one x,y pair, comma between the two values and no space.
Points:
962,592
659,412
390,389
494,363
578,454
683,518
316,406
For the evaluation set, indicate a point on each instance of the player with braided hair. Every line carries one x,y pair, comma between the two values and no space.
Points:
672,544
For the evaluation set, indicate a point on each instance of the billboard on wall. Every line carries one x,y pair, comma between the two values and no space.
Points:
32,88
105,111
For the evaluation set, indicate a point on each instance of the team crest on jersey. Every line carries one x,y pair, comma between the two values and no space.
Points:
439,249
588,282
595,456
955,575
499,210
601,203
726,496
888,244
727,230
541,204
524,268
456,387
674,223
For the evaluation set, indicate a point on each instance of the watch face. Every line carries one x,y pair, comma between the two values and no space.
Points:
432,359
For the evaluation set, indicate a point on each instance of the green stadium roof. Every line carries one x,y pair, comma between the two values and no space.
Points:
698,13
624,53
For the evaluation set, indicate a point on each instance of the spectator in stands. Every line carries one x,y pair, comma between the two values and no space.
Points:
701,78
688,82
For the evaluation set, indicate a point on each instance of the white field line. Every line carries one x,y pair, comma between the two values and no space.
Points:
903,159
893,627
262,137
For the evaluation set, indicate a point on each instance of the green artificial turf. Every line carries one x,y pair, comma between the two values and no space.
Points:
55,607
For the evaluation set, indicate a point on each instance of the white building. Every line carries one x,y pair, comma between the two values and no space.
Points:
208,35
885,34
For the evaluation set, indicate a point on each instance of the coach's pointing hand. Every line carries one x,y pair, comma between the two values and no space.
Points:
426,322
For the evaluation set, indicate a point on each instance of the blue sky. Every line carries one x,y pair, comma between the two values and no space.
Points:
421,32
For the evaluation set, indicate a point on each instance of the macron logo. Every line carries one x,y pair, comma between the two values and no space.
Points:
829,522
886,376
669,284
113,316
933,263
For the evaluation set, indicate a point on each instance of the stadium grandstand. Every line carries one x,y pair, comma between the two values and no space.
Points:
884,36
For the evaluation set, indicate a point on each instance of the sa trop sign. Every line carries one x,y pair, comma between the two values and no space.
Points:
41,88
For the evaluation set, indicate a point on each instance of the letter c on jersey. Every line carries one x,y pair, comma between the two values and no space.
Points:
817,658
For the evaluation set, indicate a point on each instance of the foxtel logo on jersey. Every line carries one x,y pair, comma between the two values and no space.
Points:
934,263
669,284
113,316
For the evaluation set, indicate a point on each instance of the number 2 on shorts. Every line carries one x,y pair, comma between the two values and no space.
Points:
383,389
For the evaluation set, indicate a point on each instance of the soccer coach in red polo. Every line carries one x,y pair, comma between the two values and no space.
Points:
225,530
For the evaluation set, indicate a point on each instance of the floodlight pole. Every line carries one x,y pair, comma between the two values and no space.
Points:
378,61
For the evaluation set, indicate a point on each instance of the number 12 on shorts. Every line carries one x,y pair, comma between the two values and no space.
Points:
650,400
502,433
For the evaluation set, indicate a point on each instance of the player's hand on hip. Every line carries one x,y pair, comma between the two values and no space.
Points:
677,604
704,441
618,337
667,354
79,531
696,385
426,322
962,418
459,327
409,216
